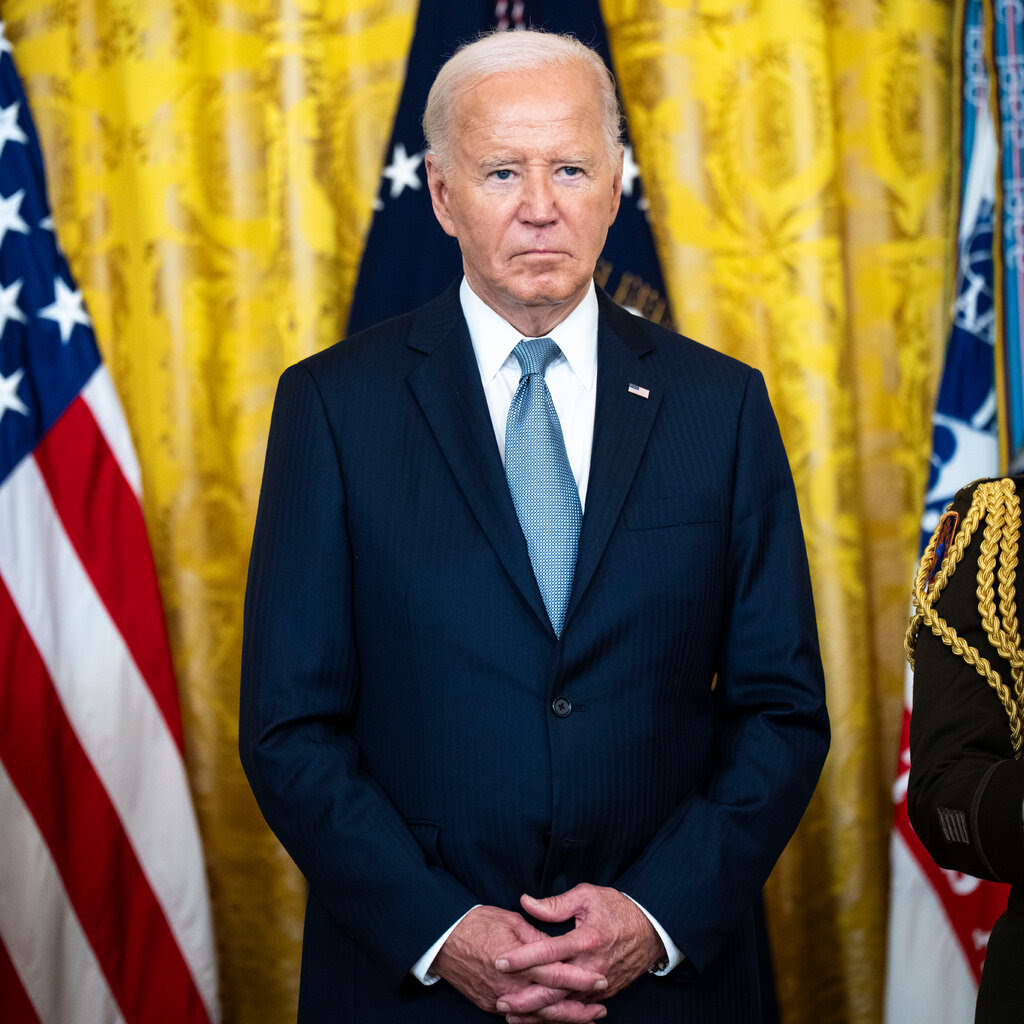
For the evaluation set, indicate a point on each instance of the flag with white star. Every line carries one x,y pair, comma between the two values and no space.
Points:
104,912
41,370
408,259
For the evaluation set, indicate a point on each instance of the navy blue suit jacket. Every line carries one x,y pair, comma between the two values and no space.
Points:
399,721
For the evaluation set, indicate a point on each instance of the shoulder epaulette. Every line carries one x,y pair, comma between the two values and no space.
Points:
996,504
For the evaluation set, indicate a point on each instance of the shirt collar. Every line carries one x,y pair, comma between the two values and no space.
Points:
494,338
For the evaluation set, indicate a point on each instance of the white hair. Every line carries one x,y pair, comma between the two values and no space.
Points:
502,52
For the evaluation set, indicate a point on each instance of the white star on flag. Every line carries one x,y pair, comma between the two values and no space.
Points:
66,310
9,130
402,170
9,308
9,394
5,44
10,214
630,171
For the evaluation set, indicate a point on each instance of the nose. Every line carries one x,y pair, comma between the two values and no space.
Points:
537,201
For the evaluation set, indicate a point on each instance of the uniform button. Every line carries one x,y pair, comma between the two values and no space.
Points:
562,707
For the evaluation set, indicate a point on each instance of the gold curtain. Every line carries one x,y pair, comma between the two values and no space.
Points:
212,165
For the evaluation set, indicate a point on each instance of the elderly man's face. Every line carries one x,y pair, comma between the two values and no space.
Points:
531,192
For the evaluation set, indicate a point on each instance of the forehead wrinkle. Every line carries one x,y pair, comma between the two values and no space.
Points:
502,124
515,115
490,145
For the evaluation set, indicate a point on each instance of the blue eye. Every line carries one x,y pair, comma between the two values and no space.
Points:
503,175
572,172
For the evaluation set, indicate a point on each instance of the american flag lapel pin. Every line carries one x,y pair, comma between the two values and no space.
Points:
635,389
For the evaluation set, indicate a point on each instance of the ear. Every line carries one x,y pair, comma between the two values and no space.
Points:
440,193
616,185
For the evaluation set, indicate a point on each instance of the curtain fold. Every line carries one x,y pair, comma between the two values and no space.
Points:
212,166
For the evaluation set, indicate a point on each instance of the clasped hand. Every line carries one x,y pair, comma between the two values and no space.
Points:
504,965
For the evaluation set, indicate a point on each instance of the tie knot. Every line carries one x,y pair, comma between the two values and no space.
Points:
535,355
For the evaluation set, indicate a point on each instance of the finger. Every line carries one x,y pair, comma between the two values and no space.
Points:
551,908
568,1011
531,999
560,1007
534,998
546,951
568,976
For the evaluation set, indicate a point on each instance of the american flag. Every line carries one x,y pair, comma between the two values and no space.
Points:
104,911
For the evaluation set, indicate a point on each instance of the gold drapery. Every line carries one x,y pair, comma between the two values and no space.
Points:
212,165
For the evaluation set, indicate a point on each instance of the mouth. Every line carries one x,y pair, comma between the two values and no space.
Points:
540,253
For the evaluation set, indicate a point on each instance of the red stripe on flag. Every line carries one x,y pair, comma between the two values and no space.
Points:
118,912
104,522
15,1007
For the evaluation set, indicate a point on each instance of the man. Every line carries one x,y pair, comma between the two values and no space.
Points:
529,639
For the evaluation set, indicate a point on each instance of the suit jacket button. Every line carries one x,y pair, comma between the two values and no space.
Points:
562,707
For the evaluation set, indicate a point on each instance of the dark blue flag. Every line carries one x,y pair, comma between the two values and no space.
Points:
408,259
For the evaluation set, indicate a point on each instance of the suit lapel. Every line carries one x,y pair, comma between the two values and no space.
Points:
447,387
622,424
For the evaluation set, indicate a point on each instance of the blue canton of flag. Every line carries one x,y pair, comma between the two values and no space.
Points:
408,259
47,349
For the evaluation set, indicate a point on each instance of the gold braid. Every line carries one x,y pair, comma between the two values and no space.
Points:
998,503
1008,591
1004,512
925,595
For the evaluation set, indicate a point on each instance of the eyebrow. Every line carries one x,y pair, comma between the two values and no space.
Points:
567,161
490,165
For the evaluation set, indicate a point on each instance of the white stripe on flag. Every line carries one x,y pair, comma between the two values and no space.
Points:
928,978
38,925
981,176
101,398
112,711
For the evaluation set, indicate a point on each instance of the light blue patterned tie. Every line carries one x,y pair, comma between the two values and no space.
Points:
543,488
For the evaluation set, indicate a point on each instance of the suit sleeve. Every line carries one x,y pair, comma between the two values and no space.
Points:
966,789
299,690
704,869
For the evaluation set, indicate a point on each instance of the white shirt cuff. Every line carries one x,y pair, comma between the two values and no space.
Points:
673,954
422,966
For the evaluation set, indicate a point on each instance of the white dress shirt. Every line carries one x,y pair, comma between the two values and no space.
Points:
571,379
